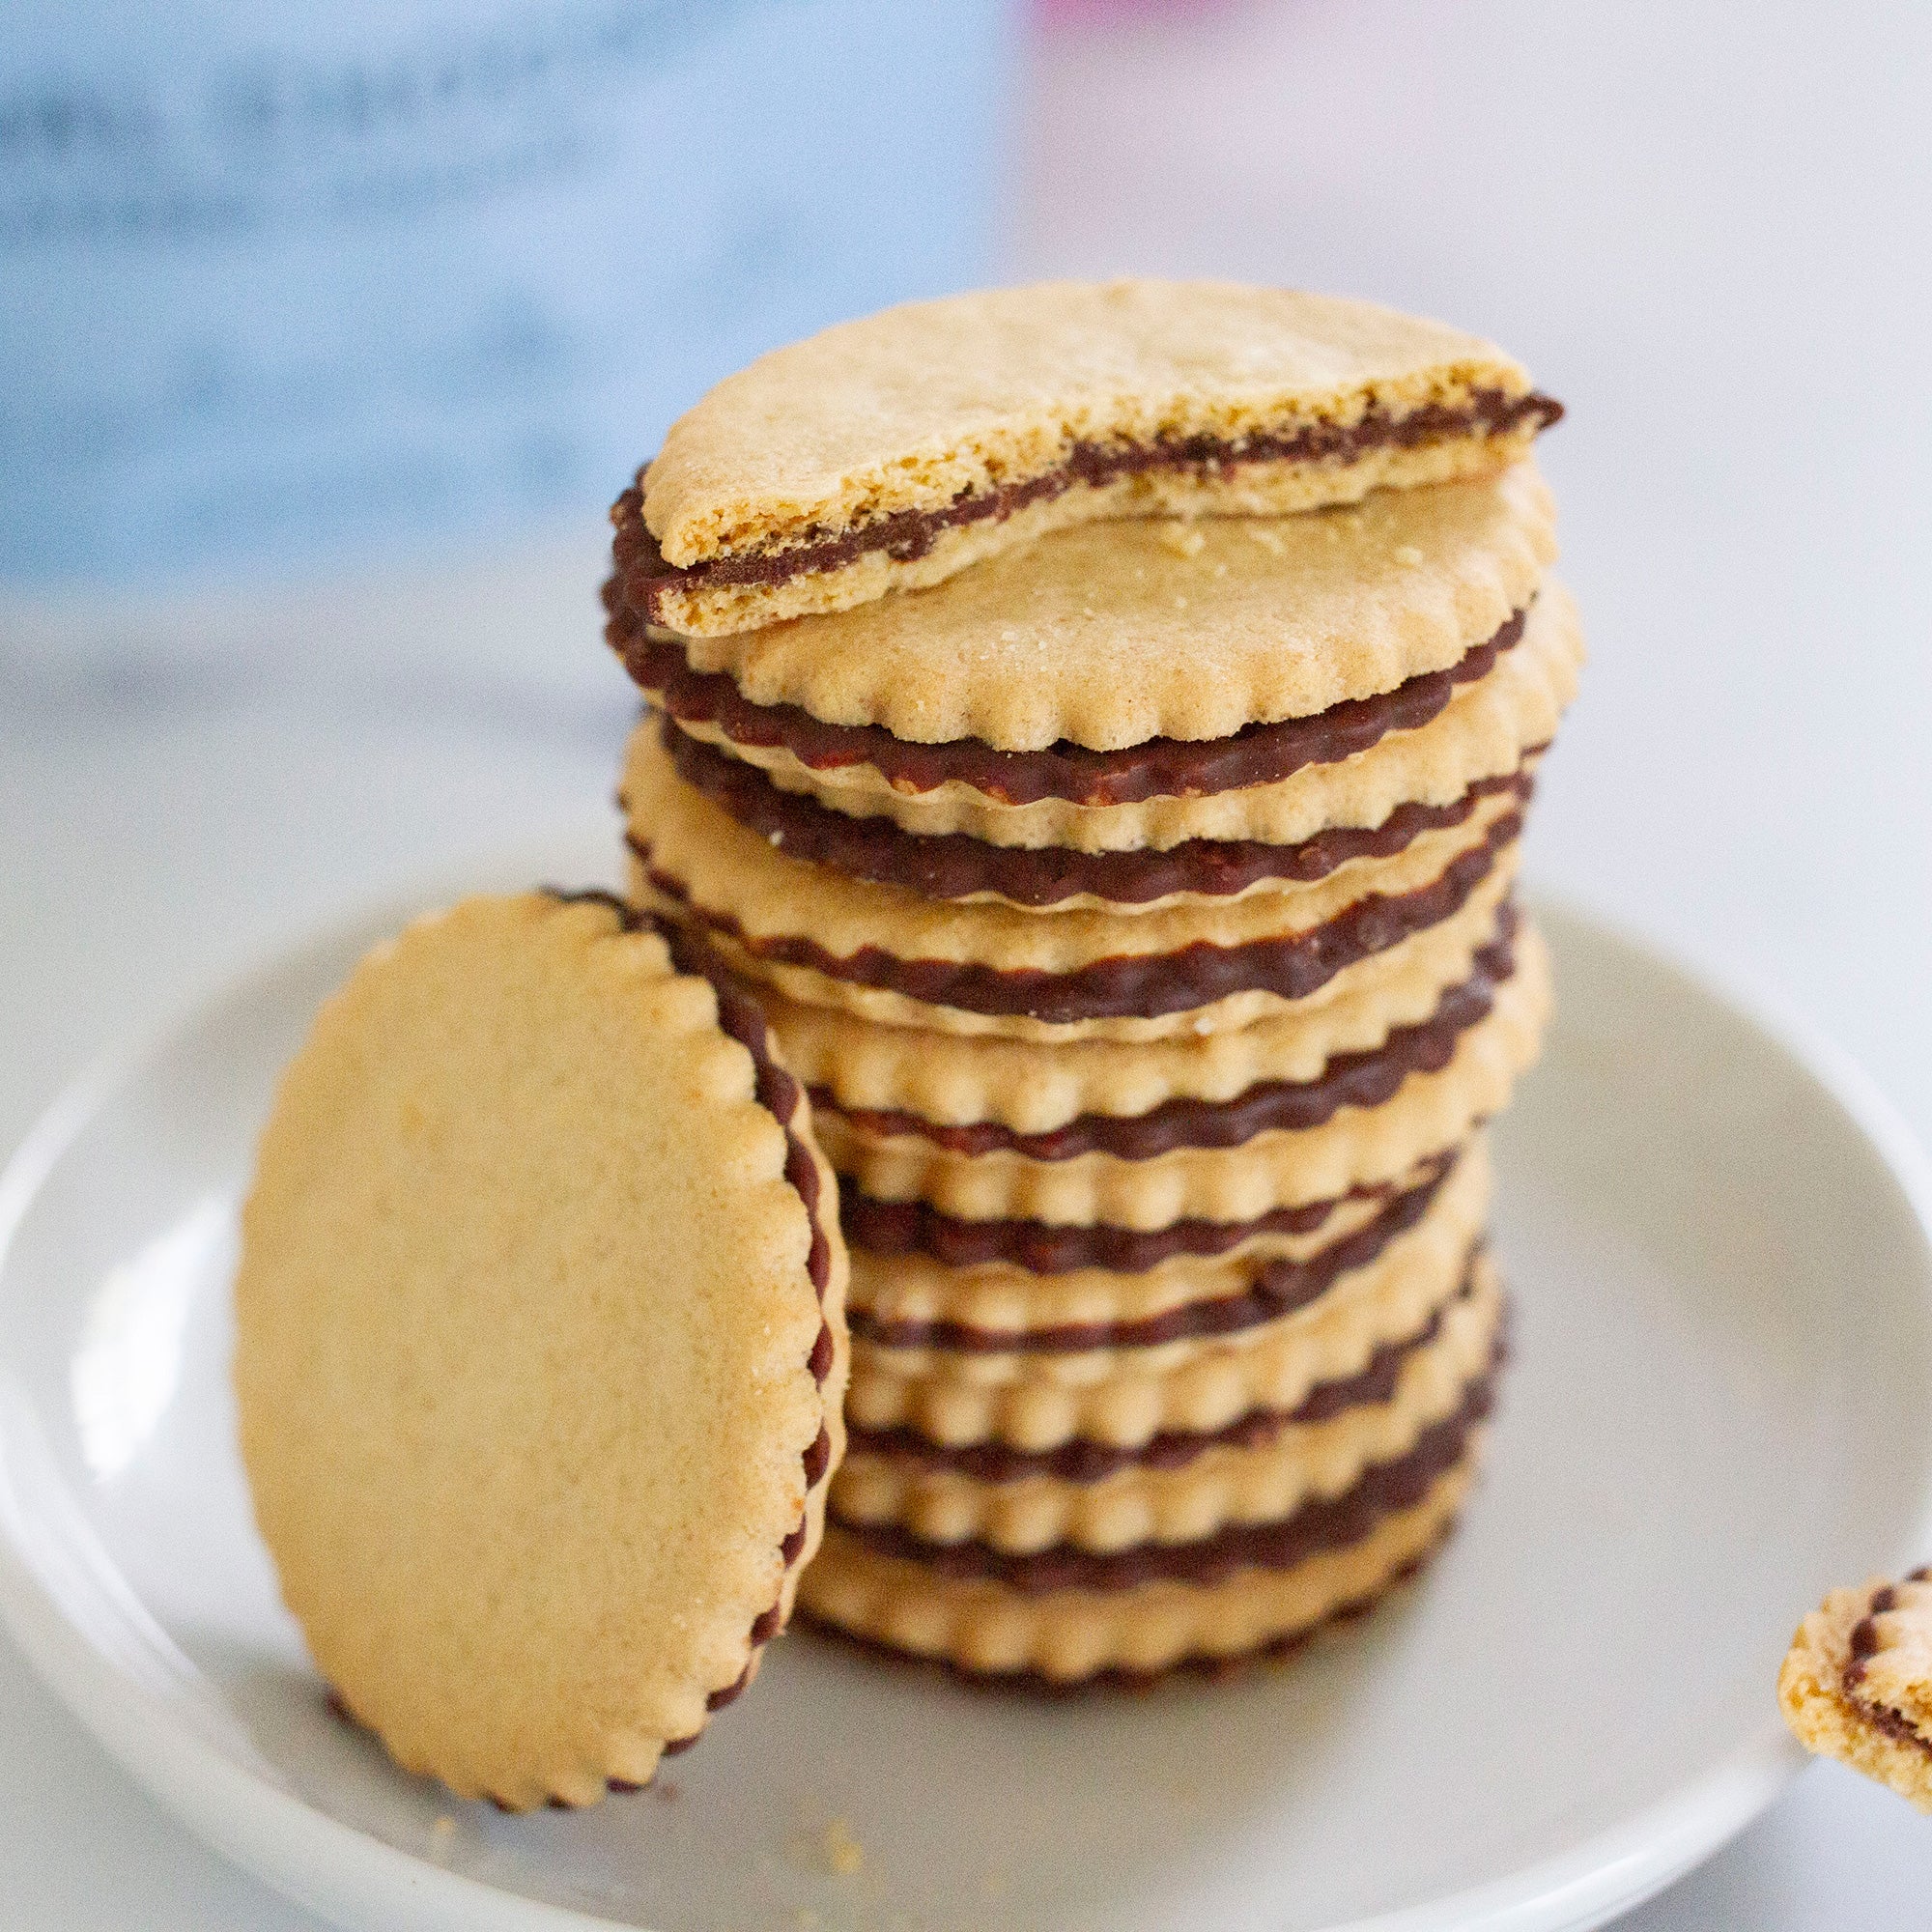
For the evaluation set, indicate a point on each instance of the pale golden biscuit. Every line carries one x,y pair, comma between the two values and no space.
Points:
959,1080
893,1293
1858,1683
964,870
1116,633
1356,1147
1068,1635
1126,982
540,1347
1487,728
1200,1308
735,880
1256,1475
955,429
1124,1397
1201,966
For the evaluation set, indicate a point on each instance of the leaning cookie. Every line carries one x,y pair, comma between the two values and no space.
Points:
1858,1683
540,1345
889,453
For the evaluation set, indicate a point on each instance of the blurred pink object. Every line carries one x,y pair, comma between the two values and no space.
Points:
1076,12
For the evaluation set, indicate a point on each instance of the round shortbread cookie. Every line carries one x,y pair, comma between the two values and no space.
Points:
1332,1340
1180,1318
965,870
1355,1147
1070,1637
1201,966
1116,633
1259,1469
1252,1270
1127,1396
980,1081
933,1267
890,452
536,1479
1188,992
1483,728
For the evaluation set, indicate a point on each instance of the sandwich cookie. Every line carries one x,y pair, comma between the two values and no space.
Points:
1104,638
1427,744
895,956
1128,1383
540,1345
889,453
1105,1285
1856,1685
1090,1187
1065,1616
980,1085
1179,1487
1347,771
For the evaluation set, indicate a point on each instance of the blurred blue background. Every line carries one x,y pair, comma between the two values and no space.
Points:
312,283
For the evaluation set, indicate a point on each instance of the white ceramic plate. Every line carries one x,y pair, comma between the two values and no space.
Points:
1721,1403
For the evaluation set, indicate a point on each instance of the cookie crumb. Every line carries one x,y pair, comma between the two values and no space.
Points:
1267,536
842,1851
1407,553
1183,539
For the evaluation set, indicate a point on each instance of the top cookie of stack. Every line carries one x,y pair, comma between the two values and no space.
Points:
1135,898
889,453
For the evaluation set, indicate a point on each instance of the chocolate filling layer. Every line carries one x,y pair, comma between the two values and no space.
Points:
1323,1523
1049,1247
776,1091
1134,985
953,866
908,534
1364,1079
1156,768
1081,1460
1274,1289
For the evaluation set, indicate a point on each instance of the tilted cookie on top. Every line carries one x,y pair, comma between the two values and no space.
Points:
891,452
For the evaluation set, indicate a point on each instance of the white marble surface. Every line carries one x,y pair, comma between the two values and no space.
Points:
1703,225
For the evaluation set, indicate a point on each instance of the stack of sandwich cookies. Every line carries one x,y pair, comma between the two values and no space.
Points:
1136,905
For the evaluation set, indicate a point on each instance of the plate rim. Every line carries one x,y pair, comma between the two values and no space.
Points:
346,1874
